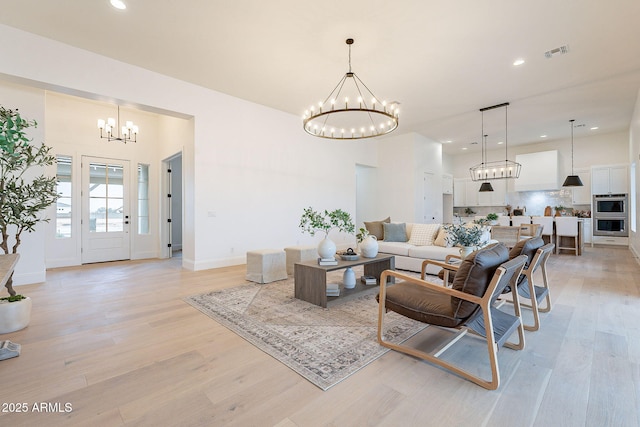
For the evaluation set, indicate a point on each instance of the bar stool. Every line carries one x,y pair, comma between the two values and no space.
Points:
567,226
547,227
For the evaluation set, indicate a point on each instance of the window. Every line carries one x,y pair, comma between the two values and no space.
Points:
106,198
64,203
143,199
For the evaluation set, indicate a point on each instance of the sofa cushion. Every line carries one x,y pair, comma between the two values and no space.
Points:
395,232
394,248
423,234
474,275
375,227
441,239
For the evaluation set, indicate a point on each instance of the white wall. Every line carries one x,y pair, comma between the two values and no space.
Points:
248,170
403,161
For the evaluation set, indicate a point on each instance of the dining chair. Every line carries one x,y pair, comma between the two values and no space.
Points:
506,235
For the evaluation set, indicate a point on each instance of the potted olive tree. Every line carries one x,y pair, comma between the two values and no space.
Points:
23,198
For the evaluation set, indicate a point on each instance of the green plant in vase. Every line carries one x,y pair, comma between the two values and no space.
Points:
313,221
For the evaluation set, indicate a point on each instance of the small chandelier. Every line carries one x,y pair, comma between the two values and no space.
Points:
351,111
572,180
129,130
500,169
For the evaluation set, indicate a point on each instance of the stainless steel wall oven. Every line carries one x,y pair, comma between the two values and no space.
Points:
610,215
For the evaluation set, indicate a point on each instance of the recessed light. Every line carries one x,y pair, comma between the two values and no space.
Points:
518,61
118,4
448,141
543,136
464,148
595,128
500,142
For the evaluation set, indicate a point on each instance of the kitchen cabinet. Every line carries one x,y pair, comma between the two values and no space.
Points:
465,193
447,183
609,179
588,231
582,195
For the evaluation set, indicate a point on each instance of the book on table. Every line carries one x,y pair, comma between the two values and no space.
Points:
327,261
333,290
368,280
9,349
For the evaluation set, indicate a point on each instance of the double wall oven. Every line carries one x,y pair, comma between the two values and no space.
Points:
610,215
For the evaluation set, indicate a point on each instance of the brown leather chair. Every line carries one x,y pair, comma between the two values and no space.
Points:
468,306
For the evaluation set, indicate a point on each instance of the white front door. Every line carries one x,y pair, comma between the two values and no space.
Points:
105,210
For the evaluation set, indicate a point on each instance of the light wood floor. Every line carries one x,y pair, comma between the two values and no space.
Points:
118,344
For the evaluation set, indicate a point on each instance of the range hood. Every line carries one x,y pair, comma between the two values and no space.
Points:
539,171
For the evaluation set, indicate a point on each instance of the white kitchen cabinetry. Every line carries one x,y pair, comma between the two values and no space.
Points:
609,179
588,231
459,197
466,193
447,183
582,195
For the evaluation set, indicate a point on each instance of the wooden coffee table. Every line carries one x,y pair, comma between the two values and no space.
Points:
311,278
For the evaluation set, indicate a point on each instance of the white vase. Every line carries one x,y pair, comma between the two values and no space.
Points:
466,250
369,247
326,248
14,315
349,278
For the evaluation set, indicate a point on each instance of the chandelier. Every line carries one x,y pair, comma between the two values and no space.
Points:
572,180
351,111
129,130
501,169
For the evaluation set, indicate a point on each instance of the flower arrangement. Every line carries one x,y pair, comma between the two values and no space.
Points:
464,235
313,221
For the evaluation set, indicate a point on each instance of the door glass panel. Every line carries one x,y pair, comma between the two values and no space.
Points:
106,202
64,202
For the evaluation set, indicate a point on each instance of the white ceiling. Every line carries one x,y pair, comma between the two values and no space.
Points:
441,60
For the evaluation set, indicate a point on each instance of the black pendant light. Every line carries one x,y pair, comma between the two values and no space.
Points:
486,186
572,180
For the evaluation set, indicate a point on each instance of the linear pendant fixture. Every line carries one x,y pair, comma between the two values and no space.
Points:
572,180
351,111
501,169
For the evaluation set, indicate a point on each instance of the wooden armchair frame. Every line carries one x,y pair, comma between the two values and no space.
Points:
493,325
534,293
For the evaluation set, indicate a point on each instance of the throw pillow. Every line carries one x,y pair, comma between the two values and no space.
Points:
395,232
423,234
375,227
441,238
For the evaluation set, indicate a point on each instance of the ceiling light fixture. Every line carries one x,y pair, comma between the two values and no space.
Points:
128,129
118,4
351,111
572,180
518,62
501,169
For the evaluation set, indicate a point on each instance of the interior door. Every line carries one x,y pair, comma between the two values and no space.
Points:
105,210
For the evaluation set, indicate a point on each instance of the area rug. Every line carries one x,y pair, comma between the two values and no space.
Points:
325,346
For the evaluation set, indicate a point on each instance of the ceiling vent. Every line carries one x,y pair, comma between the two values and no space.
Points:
557,51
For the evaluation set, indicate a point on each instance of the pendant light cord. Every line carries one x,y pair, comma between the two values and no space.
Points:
571,122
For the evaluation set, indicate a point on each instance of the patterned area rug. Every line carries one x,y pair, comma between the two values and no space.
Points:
325,346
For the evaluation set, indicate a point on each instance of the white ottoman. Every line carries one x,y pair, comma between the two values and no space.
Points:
299,254
266,265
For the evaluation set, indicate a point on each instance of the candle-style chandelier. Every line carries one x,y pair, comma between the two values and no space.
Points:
500,169
129,130
351,111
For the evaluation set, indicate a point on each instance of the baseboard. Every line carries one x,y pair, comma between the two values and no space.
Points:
29,278
217,263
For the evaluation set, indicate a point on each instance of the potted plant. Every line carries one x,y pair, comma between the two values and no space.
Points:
492,218
313,221
560,210
22,200
467,236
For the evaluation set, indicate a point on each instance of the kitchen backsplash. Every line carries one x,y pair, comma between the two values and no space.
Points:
534,202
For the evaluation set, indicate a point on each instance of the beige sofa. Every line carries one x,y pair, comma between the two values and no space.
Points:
409,256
